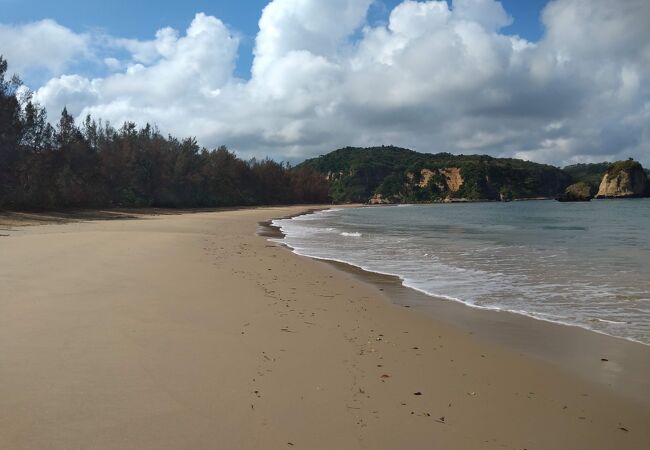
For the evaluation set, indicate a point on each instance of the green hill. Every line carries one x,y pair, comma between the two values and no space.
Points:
392,174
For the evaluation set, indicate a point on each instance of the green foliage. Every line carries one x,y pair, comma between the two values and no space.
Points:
619,166
355,173
10,130
393,184
359,173
592,174
96,165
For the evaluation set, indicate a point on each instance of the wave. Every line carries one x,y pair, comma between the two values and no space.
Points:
355,234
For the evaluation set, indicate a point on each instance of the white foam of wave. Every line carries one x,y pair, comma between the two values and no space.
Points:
614,322
346,234
323,212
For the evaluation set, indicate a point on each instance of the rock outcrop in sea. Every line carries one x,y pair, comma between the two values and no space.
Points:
577,192
623,179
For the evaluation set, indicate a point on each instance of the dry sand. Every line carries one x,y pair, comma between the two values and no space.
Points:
192,332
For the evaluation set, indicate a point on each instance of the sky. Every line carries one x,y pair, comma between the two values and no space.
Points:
560,81
146,17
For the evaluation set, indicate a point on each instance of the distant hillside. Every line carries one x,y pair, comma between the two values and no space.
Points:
392,174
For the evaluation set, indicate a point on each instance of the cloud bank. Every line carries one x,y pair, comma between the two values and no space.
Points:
435,77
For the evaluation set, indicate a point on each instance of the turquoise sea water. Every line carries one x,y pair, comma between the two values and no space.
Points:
584,264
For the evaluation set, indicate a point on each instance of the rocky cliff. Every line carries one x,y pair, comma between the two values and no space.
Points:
623,179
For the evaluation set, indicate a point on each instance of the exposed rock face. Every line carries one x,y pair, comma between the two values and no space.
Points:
454,178
578,192
377,199
331,176
623,179
448,181
425,177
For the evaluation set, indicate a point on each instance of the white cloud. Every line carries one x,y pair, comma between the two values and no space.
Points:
414,19
315,27
44,45
434,78
148,52
182,75
597,28
71,91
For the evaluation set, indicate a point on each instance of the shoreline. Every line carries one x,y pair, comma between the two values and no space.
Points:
192,331
272,231
588,356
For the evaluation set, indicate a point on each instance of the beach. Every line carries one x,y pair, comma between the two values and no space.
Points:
192,331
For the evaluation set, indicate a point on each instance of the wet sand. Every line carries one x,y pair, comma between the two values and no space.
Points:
621,365
190,331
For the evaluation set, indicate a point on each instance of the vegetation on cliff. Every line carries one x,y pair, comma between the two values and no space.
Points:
619,166
401,175
591,173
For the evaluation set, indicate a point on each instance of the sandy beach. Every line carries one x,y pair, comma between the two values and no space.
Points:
191,331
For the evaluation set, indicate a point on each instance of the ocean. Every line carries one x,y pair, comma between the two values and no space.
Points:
582,264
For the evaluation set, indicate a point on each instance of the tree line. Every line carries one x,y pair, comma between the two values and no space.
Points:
93,164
